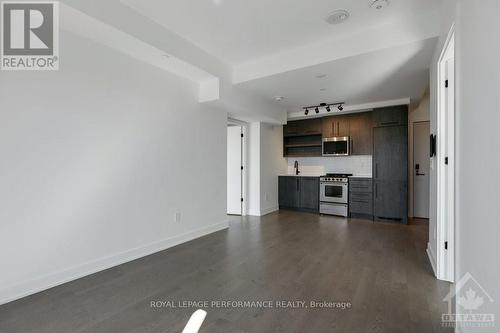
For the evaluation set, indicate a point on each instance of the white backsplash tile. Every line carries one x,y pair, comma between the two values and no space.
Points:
317,166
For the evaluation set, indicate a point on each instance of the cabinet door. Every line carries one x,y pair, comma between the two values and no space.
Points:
328,125
390,116
390,199
360,128
390,153
335,126
309,193
311,126
290,128
289,192
343,128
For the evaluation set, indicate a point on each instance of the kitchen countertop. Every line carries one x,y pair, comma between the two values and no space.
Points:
361,176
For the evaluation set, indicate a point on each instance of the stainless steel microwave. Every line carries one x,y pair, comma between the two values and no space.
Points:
337,146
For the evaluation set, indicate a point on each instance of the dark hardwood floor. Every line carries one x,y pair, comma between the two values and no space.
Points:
381,269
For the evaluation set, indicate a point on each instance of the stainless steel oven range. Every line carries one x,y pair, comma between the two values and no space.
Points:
334,194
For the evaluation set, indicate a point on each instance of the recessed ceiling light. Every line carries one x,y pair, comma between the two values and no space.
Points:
321,76
279,98
322,89
338,16
379,4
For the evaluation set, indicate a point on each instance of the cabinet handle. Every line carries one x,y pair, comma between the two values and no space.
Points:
376,190
376,170
389,123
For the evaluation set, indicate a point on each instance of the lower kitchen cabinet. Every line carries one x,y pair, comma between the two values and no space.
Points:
301,193
361,197
288,192
390,200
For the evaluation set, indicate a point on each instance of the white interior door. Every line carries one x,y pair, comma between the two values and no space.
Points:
445,160
234,172
421,164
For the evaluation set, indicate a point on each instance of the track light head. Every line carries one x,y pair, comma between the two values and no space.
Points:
306,112
317,110
328,108
340,107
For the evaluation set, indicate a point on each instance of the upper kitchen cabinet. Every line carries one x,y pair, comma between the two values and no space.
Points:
360,131
302,138
302,127
336,126
390,116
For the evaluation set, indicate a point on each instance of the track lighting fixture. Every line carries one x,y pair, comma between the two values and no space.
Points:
323,106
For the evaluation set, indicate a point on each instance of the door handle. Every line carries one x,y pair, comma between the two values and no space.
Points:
376,170
376,190
420,174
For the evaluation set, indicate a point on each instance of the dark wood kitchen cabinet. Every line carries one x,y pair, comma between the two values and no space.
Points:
302,127
361,133
336,126
361,198
288,192
390,167
300,193
302,138
391,116
309,194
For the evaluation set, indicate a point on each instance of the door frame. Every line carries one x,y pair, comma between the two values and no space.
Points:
445,227
413,176
244,161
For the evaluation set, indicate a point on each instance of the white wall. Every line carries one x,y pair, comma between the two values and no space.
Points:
417,113
478,71
96,160
360,165
478,84
253,174
272,164
234,172
266,163
448,12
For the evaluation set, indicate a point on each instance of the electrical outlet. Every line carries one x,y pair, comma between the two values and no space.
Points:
177,217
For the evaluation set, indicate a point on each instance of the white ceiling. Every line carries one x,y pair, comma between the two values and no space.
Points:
387,74
238,31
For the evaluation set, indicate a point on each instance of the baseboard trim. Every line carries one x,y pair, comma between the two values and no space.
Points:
33,286
269,210
432,259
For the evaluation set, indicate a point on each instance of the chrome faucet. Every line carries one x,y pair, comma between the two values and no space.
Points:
296,167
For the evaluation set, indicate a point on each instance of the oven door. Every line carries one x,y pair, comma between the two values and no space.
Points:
338,146
333,192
